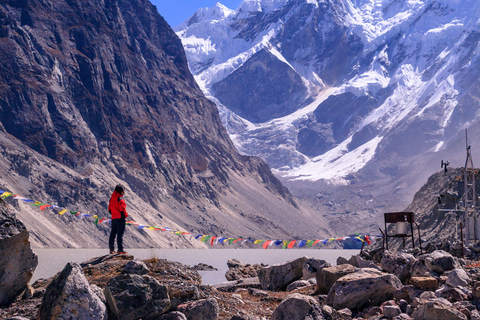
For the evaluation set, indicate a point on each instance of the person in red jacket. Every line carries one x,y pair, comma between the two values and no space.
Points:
118,209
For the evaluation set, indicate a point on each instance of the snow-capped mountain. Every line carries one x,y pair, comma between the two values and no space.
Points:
343,91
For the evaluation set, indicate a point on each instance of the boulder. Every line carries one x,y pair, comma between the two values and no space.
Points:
181,294
437,310
206,309
400,264
434,263
231,286
278,277
99,292
136,267
345,314
451,294
297,307
458,278
425,283
17,260
391,311
326,277
70,296
298,284
366,287
357,261
238,270
421,268
312,266
131,296
408,292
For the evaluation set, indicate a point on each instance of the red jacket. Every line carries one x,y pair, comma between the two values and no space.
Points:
117,205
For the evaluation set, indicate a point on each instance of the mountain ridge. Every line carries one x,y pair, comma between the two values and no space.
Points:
99,93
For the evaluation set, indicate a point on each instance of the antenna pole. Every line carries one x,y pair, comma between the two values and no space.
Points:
469,197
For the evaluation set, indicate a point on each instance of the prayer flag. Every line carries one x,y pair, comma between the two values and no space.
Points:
62,212
258,241
44,207
212,240
266,244
291,244
302,243
6,195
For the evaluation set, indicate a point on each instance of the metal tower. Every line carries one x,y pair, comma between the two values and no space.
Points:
470,200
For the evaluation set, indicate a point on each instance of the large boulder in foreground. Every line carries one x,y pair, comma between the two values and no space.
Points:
70,296
132,296
279,276
17,260
366,287
297,307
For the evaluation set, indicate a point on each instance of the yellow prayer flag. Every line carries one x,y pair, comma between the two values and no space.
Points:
62,212
6,194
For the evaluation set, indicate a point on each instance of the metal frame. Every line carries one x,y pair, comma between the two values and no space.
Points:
409,217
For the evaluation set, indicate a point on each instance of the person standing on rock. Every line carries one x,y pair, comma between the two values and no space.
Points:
118,210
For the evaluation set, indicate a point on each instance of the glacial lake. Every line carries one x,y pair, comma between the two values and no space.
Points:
51,261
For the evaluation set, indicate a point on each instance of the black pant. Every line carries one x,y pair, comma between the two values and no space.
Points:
118,228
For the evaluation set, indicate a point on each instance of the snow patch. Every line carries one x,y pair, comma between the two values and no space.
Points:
336,164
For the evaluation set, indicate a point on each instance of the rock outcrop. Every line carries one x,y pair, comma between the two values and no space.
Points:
363,288
238,270
297,307
206,309
327,277
279,276
69,296
363,294
17,260
133,297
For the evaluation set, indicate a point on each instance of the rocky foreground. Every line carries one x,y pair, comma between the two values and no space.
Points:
393,285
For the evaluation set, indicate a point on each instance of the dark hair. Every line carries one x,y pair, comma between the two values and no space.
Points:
119,188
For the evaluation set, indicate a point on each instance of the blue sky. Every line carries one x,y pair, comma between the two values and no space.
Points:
177,11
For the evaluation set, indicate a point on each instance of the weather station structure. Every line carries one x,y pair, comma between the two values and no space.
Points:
471,217
468,217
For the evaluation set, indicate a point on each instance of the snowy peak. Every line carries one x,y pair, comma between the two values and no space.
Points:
330,89
217,12
265,6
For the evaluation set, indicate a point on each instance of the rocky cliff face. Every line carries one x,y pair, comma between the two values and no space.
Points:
442,192
98,92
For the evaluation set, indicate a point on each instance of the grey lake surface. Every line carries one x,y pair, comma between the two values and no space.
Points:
51,261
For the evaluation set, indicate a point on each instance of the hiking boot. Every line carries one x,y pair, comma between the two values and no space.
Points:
112,252
122,252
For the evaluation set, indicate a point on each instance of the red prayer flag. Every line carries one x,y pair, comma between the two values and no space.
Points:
44,207
291,244
316,241
212,240
367,239
266,244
